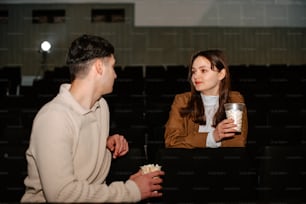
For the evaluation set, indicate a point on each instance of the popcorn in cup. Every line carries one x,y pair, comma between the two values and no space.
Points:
150,168
235,112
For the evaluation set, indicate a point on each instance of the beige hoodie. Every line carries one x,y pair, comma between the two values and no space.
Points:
67,157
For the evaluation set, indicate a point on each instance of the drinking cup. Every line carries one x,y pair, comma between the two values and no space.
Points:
235,112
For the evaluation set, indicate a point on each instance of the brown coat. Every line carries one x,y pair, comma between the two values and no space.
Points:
182,132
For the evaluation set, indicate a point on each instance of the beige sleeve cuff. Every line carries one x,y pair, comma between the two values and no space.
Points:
134,191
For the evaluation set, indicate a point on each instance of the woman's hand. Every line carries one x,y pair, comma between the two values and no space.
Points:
224,129
118,145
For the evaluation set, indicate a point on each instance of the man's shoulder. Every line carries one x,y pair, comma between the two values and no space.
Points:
52,105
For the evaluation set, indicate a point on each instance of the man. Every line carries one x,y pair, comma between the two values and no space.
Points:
70,151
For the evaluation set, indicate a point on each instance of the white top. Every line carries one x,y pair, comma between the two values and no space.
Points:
211,104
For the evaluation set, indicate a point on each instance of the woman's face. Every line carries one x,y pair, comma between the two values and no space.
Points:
205,79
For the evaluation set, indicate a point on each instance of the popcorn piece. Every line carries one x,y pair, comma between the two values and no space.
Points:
150,168
236,115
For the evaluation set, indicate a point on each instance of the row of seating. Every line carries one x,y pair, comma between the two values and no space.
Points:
141,119
140,78
227,175
136,117
10,79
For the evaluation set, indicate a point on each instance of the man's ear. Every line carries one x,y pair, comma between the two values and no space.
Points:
99,66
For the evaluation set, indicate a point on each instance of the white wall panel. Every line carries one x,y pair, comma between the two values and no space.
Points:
223,13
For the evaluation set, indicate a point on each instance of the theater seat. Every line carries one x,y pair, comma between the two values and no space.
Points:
207,175
282,173
123,167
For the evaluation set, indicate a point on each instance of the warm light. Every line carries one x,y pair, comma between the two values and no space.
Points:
45,46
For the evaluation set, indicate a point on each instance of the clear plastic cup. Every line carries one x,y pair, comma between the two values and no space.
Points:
235,112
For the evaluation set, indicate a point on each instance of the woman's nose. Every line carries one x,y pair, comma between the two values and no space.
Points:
195,74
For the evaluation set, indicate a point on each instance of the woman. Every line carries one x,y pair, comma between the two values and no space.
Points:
197,118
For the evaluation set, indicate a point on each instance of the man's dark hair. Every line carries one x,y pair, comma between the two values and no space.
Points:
88,47
83,50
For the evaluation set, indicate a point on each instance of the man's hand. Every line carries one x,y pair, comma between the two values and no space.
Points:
149,184
118,145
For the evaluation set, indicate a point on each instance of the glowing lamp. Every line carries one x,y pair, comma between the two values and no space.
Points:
45,46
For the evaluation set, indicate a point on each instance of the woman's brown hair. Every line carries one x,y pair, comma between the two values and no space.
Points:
195,108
